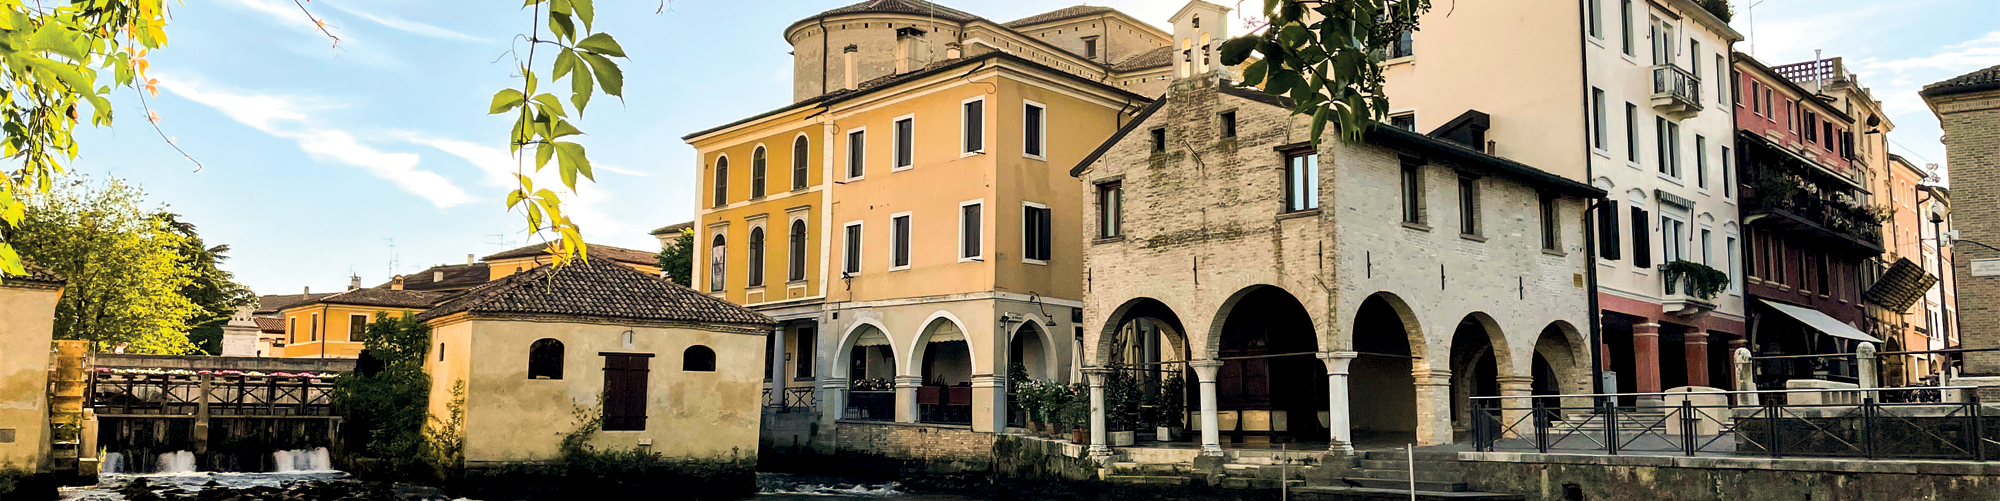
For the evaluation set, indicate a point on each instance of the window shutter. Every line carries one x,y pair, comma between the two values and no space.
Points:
625,392
1642,240
1608,244
975,123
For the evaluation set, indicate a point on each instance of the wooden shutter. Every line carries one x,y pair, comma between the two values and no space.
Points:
1642,240
625,378
1608,243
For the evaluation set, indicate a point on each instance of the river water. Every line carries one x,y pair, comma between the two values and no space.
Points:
771,486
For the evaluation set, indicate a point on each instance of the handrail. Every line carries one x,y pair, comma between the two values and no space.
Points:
1734,392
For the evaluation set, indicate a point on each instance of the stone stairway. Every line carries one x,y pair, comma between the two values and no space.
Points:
1387,475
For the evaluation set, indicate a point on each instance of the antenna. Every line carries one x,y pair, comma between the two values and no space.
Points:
392,256
500,239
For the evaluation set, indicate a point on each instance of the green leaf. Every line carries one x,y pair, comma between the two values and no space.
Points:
1254,74
580,88
565,61
609,77
562,6
573,163
543,152
1238,49
1281,81
601,43
584,12
549,104
505,100
561,26
563,128
513,198
10,262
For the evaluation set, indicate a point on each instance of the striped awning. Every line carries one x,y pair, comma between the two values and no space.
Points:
873,337
944,332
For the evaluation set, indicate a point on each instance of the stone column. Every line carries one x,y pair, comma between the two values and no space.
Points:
1433,405
906,398
1339,423
833,400
1514,411
1746,379
1865,372
1099,440
1646,358
778,366
989,402
1204,374
1696,345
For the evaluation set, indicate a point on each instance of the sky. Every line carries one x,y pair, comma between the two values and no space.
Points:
376,156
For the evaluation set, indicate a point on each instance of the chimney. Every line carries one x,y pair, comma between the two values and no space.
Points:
468,260
847,54
396,284
353,282
437,276
309,290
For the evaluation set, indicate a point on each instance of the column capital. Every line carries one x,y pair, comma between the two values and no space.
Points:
1431,377
989,380
912,381
1695,336
1098,370
1646,329
1337,361
833,383
1205,370
1330,355
1205,362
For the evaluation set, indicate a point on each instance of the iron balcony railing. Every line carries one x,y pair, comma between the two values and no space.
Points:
1843,219
1677,86
795,397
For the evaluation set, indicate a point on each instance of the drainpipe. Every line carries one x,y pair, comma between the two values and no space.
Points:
1590,223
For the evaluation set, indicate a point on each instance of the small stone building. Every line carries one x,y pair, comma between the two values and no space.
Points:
672,370
1968,109
27,324
1342,292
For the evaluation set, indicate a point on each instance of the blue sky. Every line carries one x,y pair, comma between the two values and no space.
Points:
316,156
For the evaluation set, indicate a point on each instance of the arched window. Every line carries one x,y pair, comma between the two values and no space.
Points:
722,181
757,172
545,359
756,257
799,163
716,259
1204,53
798,253
698,358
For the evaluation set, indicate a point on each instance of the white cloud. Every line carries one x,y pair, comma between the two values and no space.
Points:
586,207
617,170
404,25
287,118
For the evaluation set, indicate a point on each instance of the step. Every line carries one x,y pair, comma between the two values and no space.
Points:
1132,468
1250,483
1386,464
1399,455
1404,475
1404,484
1348,493
1146,480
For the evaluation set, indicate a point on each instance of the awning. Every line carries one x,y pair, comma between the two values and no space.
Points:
873,337
945,332
1820,322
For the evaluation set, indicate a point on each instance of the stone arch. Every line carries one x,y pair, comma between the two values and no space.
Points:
913,365
1503,354
847,343
1213,343
1133,309
1267,340
1045,340
1413,329
1392,351
1481,364
1564,349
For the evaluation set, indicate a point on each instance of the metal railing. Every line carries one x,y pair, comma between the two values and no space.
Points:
1671,80
795,397
1681,424
223,395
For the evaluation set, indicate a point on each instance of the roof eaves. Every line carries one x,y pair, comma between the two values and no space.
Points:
1137,120
1398,138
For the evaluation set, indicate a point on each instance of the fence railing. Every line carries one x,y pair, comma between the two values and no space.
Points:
795,397
224,395
1680,84
1853,423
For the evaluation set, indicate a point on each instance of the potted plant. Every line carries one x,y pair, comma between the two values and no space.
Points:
1171,410
1121,408
1076,416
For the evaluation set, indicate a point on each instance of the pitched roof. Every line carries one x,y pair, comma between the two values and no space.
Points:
917,7
270,324
37,277
1986,79
619,254
1057,15
274,302
596,289
671,228
1158,57
379,297
456,277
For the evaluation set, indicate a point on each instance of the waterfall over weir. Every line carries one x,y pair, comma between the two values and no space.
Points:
178,462
302,460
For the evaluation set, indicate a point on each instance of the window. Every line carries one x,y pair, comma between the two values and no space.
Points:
757,162
906,147
802,340
1735,264
1468,205
1228,124
625,388
1110,200
1034,126
799,155
1625,23
721,181
1608,244
1301,181
1406,121
1413,192
899,235
1673,238
1642,239
1700,161
1770,114
972,127
969,227
1090,47
797,256
315,327
1735,86
1728,175
440,352
1694,59
1663,42
717,259
1551,223
857,141
1757,105
756,263
1825,266
1669,146
1791,115
292,331
545,359
1598,133
1159,140
1631,133
1596,24
1706,244
1811,123
357,328
1035,232
1722,93
853,242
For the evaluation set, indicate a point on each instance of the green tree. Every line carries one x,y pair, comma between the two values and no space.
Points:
392,402
123,265
1323,55
210,287
678,258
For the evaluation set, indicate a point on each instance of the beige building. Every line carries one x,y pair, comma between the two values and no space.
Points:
27,325
907,219
1968,109
656,359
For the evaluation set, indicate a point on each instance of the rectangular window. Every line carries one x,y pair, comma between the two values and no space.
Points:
1673,239
315,327
1090,48
1034,127
1228,119
906,146
1406,121
973,127
1756,105
292,331
1631,133
1791,115
1642,239
1722,92
969,227
1551,223
1301,180
803,347
1599,131
1728,174
1625,23
899,233
1735,264
1694,59
1468,206
1825,267
1700,161
1608,244
1596,23
625,382
1035,232
357,328
853,262
1706,244
857,141
1413,192
1660,145
1769,114
1662,42
1159,140
1735,83
1110,207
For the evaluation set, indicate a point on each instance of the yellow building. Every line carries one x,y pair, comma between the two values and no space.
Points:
27,324
908,220
334,326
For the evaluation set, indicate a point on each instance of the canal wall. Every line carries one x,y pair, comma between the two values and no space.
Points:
1564,477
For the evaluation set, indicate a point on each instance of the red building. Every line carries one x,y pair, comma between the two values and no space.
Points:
1809,227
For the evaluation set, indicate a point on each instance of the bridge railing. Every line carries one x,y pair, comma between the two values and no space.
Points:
221,394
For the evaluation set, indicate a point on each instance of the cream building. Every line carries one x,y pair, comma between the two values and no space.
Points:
907,219
1630,97
27,325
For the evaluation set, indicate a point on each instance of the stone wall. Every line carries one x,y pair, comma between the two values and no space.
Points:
1971,124
920,442
1654,478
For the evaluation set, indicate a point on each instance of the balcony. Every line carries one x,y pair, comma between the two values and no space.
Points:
1676,92
1839,223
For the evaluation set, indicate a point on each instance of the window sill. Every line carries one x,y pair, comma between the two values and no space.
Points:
799,189
1553,252
1035,157
899,268
1671,179
1601,152
1595,40
796,282
802,379
903,168
1472,237
971,153
1107,240
853,179
1635,165
1036,262
973,259
754,289
1298,214
1417,226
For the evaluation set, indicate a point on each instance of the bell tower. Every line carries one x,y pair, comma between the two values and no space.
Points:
1199,30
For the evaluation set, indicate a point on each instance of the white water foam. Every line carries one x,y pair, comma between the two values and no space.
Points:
112,463
855,490
303,460
175,462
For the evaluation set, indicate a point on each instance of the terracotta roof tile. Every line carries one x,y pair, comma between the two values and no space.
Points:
274,302
619,254
918,7
270,324
380,297
1986,79
456,277
597,289
1159,56
1057,15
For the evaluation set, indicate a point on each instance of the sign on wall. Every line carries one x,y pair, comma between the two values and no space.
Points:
1986,267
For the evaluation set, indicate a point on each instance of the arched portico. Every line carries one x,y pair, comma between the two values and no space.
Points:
1271,385
1481,366
939,371
1387,374
860,381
